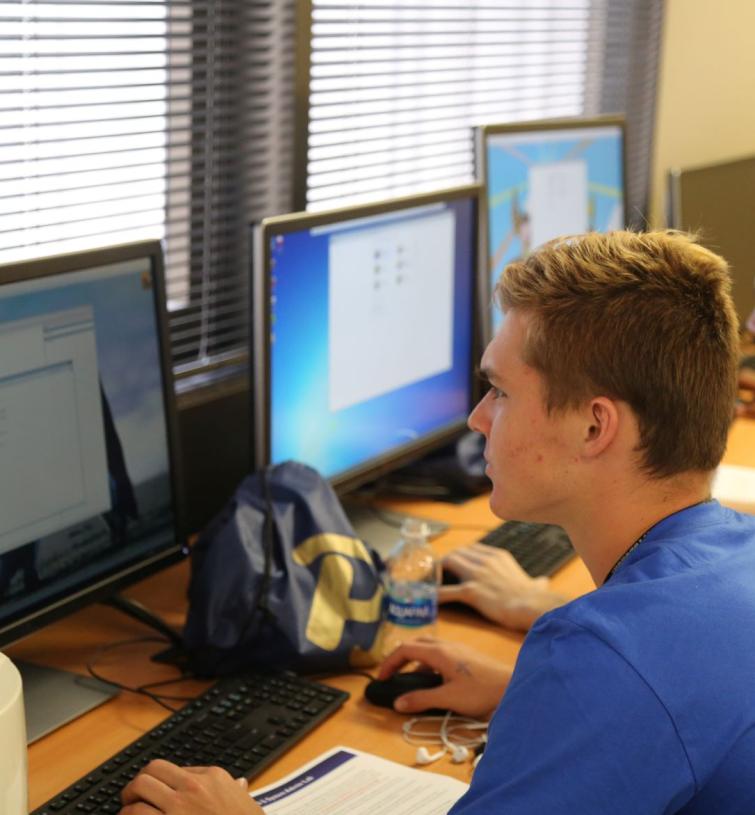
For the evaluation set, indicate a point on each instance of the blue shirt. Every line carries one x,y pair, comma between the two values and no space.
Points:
640,696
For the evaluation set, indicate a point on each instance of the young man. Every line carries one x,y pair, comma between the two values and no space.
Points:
612,385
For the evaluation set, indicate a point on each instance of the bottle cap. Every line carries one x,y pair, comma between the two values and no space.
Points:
415,528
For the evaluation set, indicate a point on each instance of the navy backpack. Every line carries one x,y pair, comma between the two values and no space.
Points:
279,580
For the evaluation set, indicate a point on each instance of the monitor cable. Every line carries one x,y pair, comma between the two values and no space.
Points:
161,699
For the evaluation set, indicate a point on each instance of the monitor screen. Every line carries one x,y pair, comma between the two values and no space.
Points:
547,179
86,431
364,333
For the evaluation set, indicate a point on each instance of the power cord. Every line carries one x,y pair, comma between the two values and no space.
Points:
143,690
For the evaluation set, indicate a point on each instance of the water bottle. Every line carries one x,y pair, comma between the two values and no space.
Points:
411,588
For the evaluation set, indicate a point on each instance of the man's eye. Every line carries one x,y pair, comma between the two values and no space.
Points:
496,393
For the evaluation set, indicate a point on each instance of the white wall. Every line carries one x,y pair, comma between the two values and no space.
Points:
706,102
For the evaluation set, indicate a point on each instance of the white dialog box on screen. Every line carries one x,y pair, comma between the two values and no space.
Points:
390,319
558,201
53,460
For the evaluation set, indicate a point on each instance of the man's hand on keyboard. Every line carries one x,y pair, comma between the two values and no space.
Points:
496,585
162,788
473,683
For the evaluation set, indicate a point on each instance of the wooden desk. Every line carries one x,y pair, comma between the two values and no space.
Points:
65,755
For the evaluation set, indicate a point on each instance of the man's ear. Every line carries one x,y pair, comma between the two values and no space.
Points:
601,426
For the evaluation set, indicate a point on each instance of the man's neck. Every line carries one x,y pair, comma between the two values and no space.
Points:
615,519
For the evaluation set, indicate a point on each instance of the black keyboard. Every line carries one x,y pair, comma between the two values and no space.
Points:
540,549
240,724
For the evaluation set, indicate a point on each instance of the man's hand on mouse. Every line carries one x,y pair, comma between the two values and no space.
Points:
162,788
473,684
496,585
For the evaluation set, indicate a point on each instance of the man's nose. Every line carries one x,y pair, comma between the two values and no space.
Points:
476,420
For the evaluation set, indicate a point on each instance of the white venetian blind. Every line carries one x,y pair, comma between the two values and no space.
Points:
83,119
174,119
395,87
130,119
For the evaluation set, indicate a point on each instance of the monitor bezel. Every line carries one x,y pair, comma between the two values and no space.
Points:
38,268
260,360
481,135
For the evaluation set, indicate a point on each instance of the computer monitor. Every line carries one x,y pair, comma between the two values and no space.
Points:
364,333
546,179
87,433
718,202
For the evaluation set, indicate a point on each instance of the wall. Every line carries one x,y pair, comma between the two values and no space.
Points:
706,102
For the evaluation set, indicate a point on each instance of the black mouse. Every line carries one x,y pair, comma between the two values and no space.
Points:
383,692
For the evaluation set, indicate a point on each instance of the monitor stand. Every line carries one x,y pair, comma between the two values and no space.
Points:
53,697
379,527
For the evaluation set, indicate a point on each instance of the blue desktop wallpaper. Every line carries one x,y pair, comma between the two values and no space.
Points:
302,427
508,187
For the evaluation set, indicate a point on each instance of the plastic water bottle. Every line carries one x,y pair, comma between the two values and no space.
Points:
411,587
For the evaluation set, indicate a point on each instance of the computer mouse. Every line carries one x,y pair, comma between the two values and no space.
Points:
384,692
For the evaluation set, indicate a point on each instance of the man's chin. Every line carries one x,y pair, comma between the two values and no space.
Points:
509,510
500,506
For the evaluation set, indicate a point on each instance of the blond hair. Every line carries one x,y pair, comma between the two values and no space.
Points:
646,318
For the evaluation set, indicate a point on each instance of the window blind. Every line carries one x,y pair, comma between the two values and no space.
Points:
131,119
175,119
395,87
84,112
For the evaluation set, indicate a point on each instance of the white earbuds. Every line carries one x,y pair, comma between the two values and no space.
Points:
459,754
424,756
453,736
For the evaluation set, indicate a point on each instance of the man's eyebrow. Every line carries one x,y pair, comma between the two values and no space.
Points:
487,374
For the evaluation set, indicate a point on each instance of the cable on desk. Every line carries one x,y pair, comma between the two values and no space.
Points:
139,689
